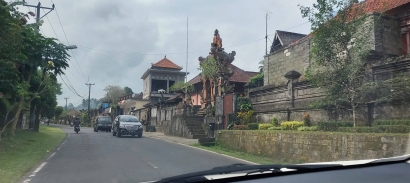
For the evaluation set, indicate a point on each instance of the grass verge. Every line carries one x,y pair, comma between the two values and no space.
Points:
19,154
241,155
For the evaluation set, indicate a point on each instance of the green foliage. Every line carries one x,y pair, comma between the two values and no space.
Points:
246,117
209,68
128,90
58,111
340,49
332,126
275,122
307,128
291,125
244,104
275,128
253,126
256,81
391,122
264,126
182,87
376,129
240,127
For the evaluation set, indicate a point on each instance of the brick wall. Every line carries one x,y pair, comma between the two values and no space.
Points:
298,147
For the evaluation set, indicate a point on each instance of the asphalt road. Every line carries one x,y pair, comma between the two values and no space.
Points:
100,157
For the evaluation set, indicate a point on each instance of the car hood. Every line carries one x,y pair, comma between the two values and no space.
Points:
343,163
130,123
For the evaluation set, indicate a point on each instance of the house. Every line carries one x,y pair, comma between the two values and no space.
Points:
239,79
286,94
161,75
131,102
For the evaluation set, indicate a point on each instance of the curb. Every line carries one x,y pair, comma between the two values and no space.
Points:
27,176
253,163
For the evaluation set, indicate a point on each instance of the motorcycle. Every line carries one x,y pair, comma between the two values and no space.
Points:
76,129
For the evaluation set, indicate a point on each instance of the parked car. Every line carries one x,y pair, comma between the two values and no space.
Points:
127,125
103,123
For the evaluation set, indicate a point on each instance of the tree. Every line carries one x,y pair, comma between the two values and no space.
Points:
70,106
113,93
339,54
128,90
58,111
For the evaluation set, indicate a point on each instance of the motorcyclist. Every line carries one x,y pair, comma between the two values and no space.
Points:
76,122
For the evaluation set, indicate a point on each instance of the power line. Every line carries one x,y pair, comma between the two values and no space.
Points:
180,53
83,75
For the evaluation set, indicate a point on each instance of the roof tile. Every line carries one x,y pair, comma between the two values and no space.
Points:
239,75
166,63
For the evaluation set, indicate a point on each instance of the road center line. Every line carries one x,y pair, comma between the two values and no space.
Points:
152,165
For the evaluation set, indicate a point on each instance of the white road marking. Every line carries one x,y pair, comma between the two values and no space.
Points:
51,155
152,164
38,169
207,151
64,141
58,148
26,181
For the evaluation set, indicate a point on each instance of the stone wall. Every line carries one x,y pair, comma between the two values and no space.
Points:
294,57
297,147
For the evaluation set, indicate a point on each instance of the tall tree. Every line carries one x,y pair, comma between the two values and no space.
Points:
128,90
113,93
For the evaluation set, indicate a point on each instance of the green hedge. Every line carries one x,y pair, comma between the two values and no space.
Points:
291,125
307,128
391,122
264,126
275,128
253,126
240,127
376,129
332,126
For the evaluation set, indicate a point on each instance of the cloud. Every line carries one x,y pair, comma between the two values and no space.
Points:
136,33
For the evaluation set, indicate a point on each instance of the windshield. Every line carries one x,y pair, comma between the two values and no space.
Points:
129,119
104,120
168,87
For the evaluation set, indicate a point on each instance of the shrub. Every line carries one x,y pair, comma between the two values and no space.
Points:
264,126
240,127
307,128
245,117
332,126
306,119
376,129
291,125
275,128
391,122
275,122
253,126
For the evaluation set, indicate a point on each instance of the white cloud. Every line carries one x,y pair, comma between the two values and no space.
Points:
159,26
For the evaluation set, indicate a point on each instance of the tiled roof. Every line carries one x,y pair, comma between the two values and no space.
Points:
166,63
383,5
239,76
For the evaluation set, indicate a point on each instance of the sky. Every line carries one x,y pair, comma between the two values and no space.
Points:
118,40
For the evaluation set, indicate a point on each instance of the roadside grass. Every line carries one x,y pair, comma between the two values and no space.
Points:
19,154
241,155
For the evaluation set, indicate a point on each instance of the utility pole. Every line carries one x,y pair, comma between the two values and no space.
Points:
89,92
38,7
66,102
186,69
266,35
